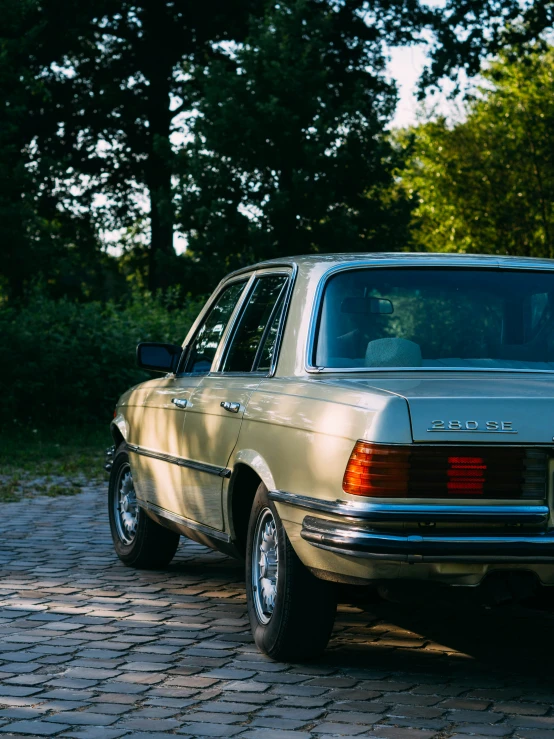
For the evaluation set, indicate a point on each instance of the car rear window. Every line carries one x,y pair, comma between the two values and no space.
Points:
400,318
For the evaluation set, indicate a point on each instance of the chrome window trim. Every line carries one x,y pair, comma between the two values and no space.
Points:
283,322
291,271
259,266
400,512
278,306
230,328
407,264
210,469
185,522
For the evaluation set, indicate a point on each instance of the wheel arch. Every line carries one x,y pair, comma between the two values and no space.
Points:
249,470
119,429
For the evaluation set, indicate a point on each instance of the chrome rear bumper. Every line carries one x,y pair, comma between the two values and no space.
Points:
348,539
353,535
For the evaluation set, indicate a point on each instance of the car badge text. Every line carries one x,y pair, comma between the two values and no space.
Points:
486,427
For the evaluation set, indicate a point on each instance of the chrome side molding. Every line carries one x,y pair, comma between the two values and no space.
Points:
185,522
399,512
210,469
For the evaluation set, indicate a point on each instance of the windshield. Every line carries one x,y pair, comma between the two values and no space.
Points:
478,318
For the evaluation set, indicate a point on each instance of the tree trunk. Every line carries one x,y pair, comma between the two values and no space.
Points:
159,164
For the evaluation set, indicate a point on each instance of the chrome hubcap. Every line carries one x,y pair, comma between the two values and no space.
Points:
126,509
265,565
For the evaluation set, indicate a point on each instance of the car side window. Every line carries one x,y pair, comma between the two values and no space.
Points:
254,339
267,348
206,341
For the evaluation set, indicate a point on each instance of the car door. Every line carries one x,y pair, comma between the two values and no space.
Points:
159,454
217,406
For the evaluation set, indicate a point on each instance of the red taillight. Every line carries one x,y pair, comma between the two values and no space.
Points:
466,475
420,471
467,461
378,471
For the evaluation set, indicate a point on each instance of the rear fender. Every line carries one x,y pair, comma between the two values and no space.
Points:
255,461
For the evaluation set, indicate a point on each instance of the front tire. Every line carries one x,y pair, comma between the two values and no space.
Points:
291,612
138,541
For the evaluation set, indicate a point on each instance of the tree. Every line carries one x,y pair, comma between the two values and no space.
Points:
466,33
45,231
21,89
119,92
98,99
486,184
289,152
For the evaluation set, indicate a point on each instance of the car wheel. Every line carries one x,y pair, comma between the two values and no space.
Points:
138,541
291,612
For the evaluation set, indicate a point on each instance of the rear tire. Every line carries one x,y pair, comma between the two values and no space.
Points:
138,540
291,612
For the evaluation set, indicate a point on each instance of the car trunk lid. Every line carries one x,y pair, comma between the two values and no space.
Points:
479,436
472,408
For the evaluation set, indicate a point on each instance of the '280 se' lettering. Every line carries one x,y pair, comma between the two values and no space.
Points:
505,427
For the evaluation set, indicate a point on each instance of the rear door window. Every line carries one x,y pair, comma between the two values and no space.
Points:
253,343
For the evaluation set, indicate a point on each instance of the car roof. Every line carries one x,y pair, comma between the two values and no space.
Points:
435,259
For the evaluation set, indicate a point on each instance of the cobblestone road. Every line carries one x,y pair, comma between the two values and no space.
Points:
89,648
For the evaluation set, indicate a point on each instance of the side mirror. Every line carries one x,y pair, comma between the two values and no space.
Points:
158,357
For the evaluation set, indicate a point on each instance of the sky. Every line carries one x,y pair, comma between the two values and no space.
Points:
405,66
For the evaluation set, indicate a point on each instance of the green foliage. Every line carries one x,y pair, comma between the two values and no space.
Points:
91,93
65,362
486,184
258,126
19,90
50,459
290,154
467,33
118,96
44,230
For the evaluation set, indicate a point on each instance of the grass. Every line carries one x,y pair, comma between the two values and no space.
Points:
50,461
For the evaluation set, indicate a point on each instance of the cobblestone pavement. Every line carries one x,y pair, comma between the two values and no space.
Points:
89,648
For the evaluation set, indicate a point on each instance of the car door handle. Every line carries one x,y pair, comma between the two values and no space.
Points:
229,406
179,402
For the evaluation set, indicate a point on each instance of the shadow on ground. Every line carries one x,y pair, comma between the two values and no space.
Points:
436,637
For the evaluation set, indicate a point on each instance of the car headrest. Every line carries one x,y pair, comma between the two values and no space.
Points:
392,353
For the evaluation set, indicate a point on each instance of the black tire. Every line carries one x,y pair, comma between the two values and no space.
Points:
300,624
149,545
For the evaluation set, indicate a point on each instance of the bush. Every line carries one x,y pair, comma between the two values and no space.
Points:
67,362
